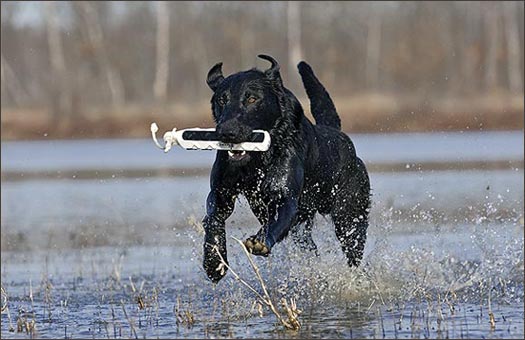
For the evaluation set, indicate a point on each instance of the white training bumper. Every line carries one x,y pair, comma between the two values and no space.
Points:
206,139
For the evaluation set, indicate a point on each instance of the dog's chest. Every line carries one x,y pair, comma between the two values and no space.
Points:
262,183
253,181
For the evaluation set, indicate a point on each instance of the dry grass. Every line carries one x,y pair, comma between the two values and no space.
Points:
421,311
359,113
184,316
426,305
5,308
292,312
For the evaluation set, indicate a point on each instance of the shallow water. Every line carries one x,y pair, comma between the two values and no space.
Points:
118,154
444,249
428,284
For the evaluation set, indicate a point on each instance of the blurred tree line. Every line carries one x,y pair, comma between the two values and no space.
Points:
80,55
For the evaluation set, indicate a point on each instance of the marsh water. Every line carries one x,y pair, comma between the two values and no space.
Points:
102,239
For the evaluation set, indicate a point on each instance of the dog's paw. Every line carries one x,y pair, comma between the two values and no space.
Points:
215,255
213,265
256,247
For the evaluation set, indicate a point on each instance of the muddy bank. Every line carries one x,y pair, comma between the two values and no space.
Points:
359,114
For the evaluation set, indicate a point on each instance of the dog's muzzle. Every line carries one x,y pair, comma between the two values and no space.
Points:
237,155
233,131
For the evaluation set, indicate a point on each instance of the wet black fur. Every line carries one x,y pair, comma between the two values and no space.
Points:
309,168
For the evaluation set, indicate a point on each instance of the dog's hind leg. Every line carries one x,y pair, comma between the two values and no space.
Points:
351,232
302,233
350,214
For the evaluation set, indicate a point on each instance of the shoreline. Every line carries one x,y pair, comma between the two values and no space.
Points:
373,167
362,113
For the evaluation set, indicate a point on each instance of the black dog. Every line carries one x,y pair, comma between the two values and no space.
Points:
308,168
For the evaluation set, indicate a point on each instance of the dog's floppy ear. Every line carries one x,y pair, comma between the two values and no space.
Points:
215,76
273,72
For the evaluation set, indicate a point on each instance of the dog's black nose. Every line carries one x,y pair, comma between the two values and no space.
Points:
232,131
227,136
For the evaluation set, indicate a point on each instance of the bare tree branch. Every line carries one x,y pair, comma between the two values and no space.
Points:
11,84
160,87
96,38
295,51
61,91
512,38
491,36
373,47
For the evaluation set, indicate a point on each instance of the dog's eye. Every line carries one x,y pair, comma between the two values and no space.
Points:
251,100
221,101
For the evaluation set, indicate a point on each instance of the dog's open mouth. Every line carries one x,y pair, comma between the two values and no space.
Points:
237,155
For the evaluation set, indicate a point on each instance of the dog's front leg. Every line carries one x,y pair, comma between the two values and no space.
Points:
282,213
219,206
281,218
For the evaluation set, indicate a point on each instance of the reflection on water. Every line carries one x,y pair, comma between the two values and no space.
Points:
142,154
444,249
147,210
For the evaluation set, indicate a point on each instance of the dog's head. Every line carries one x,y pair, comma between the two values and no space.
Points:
243,102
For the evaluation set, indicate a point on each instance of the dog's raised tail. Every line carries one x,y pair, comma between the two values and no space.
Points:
321,105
